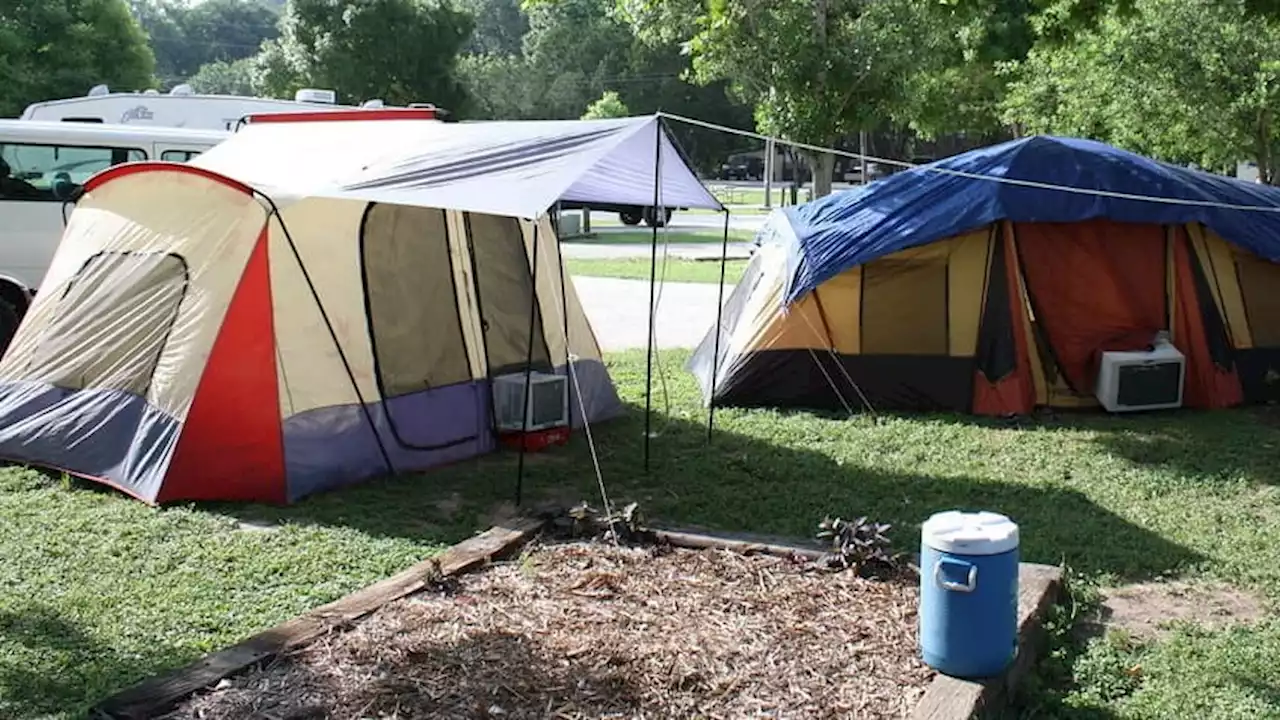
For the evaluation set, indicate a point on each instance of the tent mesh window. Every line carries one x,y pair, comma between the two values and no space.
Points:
904,307
504,285
412,301
112,322
1258,281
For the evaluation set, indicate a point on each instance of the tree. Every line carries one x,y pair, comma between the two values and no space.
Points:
1189,81
816,71
500,26
401,51
54,50
226,78
608,106
187,36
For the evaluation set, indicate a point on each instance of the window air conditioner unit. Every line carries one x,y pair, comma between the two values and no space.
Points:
548,401
1144,380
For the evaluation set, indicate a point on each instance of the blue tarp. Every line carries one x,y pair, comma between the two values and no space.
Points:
921,205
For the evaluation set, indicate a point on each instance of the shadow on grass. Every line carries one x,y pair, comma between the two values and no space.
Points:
483,675
1197,445
740,483
50,660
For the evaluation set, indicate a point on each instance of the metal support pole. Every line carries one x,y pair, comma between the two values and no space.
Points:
715,354
769,152
653,282
862,157
528,367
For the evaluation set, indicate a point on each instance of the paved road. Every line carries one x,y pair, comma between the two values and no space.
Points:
685,221
682,251
618,311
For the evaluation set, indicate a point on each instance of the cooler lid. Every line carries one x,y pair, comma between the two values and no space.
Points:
969,533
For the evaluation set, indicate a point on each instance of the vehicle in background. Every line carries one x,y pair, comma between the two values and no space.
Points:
182,107
743,167
42,166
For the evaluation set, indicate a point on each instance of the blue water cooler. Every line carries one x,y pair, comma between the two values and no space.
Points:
968,593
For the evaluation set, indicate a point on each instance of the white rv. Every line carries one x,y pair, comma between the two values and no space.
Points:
181,107
42,165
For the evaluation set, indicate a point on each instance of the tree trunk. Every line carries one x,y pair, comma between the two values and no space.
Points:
823,167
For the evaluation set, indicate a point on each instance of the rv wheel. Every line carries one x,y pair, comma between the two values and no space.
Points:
630,217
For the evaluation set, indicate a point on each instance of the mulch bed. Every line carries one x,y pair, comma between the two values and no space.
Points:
580,630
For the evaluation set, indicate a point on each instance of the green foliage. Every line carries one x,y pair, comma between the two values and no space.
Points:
608,106
226,78
187,36
53,50
1190,81
401,51
814,71
500,26
858,544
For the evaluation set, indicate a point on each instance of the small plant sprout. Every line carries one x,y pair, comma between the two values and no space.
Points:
858,544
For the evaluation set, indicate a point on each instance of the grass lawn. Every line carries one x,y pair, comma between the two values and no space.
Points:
97,591
699,271
645,237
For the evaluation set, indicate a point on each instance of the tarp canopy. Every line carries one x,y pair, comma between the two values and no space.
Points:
1036,179
509,168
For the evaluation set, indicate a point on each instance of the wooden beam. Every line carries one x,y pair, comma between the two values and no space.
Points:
154,696
949,698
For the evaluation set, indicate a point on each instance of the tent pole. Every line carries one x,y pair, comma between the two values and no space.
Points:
564,317
333,334
715,354
653,281
528,367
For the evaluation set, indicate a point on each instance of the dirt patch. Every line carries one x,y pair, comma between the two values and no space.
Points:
1146,610
583,630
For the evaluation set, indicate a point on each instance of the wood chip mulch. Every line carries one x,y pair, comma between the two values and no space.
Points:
585,630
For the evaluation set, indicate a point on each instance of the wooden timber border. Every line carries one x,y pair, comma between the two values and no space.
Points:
946,698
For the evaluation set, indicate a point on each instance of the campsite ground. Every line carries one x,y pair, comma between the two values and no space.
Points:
97,591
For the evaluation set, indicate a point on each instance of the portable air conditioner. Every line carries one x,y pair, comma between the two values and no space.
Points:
548,401
1150,380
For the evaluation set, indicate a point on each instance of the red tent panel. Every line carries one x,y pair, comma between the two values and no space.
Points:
231,447
1094,286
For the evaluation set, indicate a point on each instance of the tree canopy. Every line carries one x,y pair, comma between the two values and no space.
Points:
61,49
400,51
1190,81
187,36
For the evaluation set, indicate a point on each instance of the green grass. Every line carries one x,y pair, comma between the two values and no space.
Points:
645,237
696,271
98,591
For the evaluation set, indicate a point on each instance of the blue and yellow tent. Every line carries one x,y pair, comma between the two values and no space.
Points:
990,282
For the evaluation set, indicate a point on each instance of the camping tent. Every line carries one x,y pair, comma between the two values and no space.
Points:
989,282
311,304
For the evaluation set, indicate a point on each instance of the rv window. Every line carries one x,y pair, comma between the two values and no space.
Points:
51,172
178,155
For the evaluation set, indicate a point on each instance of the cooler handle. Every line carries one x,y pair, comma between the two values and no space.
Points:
968,586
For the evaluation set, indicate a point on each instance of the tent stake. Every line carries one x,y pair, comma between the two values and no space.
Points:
528,367
715,353
653,281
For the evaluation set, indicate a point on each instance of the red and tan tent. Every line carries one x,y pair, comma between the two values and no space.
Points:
274,320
